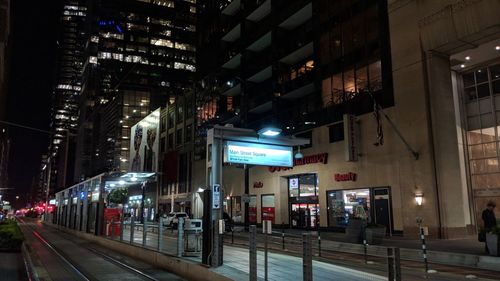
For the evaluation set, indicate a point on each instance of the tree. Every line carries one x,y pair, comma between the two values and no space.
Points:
118,196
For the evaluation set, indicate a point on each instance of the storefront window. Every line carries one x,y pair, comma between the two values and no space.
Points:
268,207
303,185
346,204
307,185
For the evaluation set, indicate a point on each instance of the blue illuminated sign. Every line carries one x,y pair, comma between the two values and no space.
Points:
258,154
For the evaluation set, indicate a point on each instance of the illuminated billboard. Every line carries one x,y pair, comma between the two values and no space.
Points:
258,154
145,144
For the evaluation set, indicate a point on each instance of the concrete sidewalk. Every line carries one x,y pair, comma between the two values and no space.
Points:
281,266
285,267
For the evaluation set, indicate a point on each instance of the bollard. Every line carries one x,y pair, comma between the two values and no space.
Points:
265,258
266,229
144,233
180,237
121,228
282,235
132,226
397,264
160,235
424,249
390,264
252,246
307,257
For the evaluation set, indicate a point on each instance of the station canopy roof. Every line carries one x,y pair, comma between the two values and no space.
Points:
124,180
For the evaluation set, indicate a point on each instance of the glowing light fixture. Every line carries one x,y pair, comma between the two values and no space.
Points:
269,132
298,155
419,198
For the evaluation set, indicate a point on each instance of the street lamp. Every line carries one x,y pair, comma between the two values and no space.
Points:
270,132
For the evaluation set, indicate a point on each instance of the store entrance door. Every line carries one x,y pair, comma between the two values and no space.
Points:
305,216
382,208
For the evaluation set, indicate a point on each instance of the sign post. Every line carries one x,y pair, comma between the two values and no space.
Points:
240,146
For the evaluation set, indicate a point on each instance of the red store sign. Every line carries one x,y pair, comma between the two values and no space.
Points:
346,177
258,184
310,159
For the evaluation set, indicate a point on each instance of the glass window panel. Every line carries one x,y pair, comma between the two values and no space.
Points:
361,78
479,181
470,93
483,90
487,120
483,166
496,87
476,151
493,180
490,149
473,122
375,75
468,79
349,86
488,134
474,137
481,75
307,185
495,72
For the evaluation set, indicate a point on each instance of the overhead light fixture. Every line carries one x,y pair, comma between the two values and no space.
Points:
269,132
467,58
497,48
121,182
200,189
419,198
462,66
298,155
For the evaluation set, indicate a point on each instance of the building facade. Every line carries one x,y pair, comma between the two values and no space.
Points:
140,55
66,93
399,105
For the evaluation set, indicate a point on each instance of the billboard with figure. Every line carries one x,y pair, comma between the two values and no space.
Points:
145,144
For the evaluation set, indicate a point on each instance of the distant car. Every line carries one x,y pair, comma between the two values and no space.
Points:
172,219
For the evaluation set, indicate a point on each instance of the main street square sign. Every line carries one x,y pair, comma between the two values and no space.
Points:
258,154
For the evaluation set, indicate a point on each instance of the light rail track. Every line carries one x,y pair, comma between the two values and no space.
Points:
74,267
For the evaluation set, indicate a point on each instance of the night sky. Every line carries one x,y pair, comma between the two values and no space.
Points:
33,38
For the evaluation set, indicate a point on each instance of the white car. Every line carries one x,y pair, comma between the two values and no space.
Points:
172,219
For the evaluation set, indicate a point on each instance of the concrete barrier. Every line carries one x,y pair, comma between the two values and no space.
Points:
184,268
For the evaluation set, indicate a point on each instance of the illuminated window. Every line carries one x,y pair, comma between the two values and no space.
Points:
93,60
94,39
185,46
166,3
192,9
111,35
161,22
162,42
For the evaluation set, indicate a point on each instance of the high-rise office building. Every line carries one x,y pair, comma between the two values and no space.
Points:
140,55
4,49
67,91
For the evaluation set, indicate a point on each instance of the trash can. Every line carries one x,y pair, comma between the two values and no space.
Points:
193,231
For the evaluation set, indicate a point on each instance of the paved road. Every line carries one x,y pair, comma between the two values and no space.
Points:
71,258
